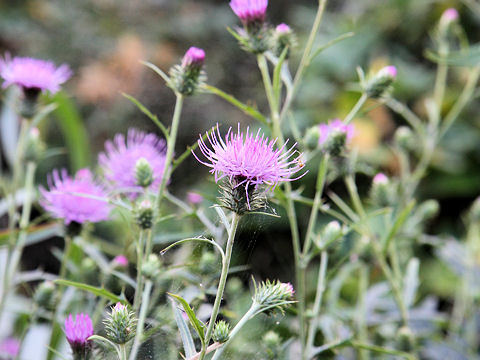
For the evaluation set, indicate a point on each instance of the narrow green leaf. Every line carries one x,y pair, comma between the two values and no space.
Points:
467,57
73,130
197,324
397,225
238,104
187,340
157,70
330,43
147,112
94,290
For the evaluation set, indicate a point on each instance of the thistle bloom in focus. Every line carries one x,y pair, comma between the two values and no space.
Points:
250,11
9,348
193,58
64,199
248,161
335,135
121,155
78,331
33,74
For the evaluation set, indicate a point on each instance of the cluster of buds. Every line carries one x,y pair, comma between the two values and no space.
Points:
380,84
271,296
144,214
78,332
186,78
221,332
120,324
382,192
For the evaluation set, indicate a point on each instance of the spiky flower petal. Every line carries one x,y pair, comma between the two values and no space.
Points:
250,11
75,199
78,331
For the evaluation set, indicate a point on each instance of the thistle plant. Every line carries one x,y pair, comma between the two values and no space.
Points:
358,221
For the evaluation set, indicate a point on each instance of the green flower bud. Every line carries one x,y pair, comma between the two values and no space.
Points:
312,137
273,295
406,339
331,232
143,173
144,215
383,191
427,210
120,324
208,262
221,332
34,146
271,339
404,138
282,38
151,268
44,295
380,84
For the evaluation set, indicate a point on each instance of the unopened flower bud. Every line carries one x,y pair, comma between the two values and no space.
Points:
404,138
271,339
144,215
427,210
43,296
120,324
151,268
335,136
332,232
221,332
143,173
34,146
448,17
186,78
194,198
283,37
271,296
120,261
208,262
381,83
406,339
382,191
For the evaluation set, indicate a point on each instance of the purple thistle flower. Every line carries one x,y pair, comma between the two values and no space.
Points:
78,331
283,29
194,58
64,202
194,198
33,74
333,127
250,159
121,155
120,260
250,11
9,348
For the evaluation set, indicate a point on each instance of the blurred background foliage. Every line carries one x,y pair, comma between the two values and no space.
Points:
105,40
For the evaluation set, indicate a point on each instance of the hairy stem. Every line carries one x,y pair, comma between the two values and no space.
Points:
221,284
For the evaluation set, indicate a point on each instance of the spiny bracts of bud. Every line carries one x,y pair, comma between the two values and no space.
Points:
151,267
282,38
44,295
143,173
382,192
187,77
271,339
335,136
120,324
221,332
331,232
144,215
271,296
380,84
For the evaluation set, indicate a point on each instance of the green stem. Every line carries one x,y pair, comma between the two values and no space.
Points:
305,61
141,319
351,115
149,244
263,66
321,284
361,309
14,259
353,191
139,289
221,284
247,316
170,147
440,82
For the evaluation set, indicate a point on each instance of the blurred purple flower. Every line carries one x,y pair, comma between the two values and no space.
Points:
335,126
194,198
33,74
120,260
283,28
380,178
450,15
9,348
194,58
64,202
78,331
250,11
121,155
250,159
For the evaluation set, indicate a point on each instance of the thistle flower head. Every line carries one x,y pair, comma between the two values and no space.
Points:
122,154
194,58
78,331
248,160
120,260
383,191
335,135
9,348
271,296
33,74
68,198
250,11
120,324
283,29
194,198
282,38
380,178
